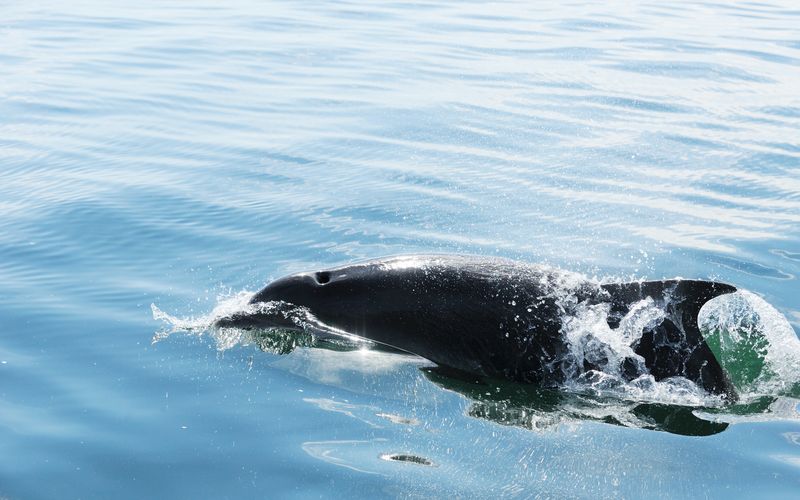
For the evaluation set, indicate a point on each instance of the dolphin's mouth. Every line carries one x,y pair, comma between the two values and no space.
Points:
284,316
248,321
265,315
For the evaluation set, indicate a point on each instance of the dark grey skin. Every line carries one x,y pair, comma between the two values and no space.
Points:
493,317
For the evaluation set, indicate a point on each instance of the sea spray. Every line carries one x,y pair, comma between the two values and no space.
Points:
754,343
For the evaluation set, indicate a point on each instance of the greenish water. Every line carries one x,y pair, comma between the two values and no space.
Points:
177,155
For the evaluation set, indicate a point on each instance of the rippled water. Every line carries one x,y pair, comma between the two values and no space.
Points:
172,154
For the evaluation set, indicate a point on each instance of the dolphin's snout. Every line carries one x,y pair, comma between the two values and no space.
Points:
293,290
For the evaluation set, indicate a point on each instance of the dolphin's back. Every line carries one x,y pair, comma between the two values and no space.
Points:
501,318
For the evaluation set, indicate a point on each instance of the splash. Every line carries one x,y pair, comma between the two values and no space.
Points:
754,343
615,369
225,338
276,340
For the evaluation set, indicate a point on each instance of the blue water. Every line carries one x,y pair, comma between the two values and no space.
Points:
174,154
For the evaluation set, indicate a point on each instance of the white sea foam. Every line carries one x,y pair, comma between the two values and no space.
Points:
592,340
753,335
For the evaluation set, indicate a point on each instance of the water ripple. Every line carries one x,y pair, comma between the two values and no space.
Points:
167,152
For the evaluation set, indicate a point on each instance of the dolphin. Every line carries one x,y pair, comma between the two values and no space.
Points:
498,318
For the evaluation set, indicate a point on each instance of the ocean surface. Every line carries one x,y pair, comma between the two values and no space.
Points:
162,159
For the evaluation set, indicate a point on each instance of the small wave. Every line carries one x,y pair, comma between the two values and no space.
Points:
754,343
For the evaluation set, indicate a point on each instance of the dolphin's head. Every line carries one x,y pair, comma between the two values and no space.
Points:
274,304
308,289
324,291
413,303
346,296
339,298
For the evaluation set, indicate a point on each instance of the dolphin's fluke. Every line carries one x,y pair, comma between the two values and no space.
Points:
675,347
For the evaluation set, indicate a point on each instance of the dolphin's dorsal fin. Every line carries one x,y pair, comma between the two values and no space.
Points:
675,347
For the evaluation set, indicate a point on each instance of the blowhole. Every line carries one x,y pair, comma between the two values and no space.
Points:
323,277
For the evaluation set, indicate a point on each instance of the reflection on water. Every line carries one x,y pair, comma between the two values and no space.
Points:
404,457
537,409
507,403
336,452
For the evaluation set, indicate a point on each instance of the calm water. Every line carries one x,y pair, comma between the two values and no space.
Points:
176,155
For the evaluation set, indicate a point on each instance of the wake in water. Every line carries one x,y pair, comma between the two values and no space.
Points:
753,342
225,338
276,340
